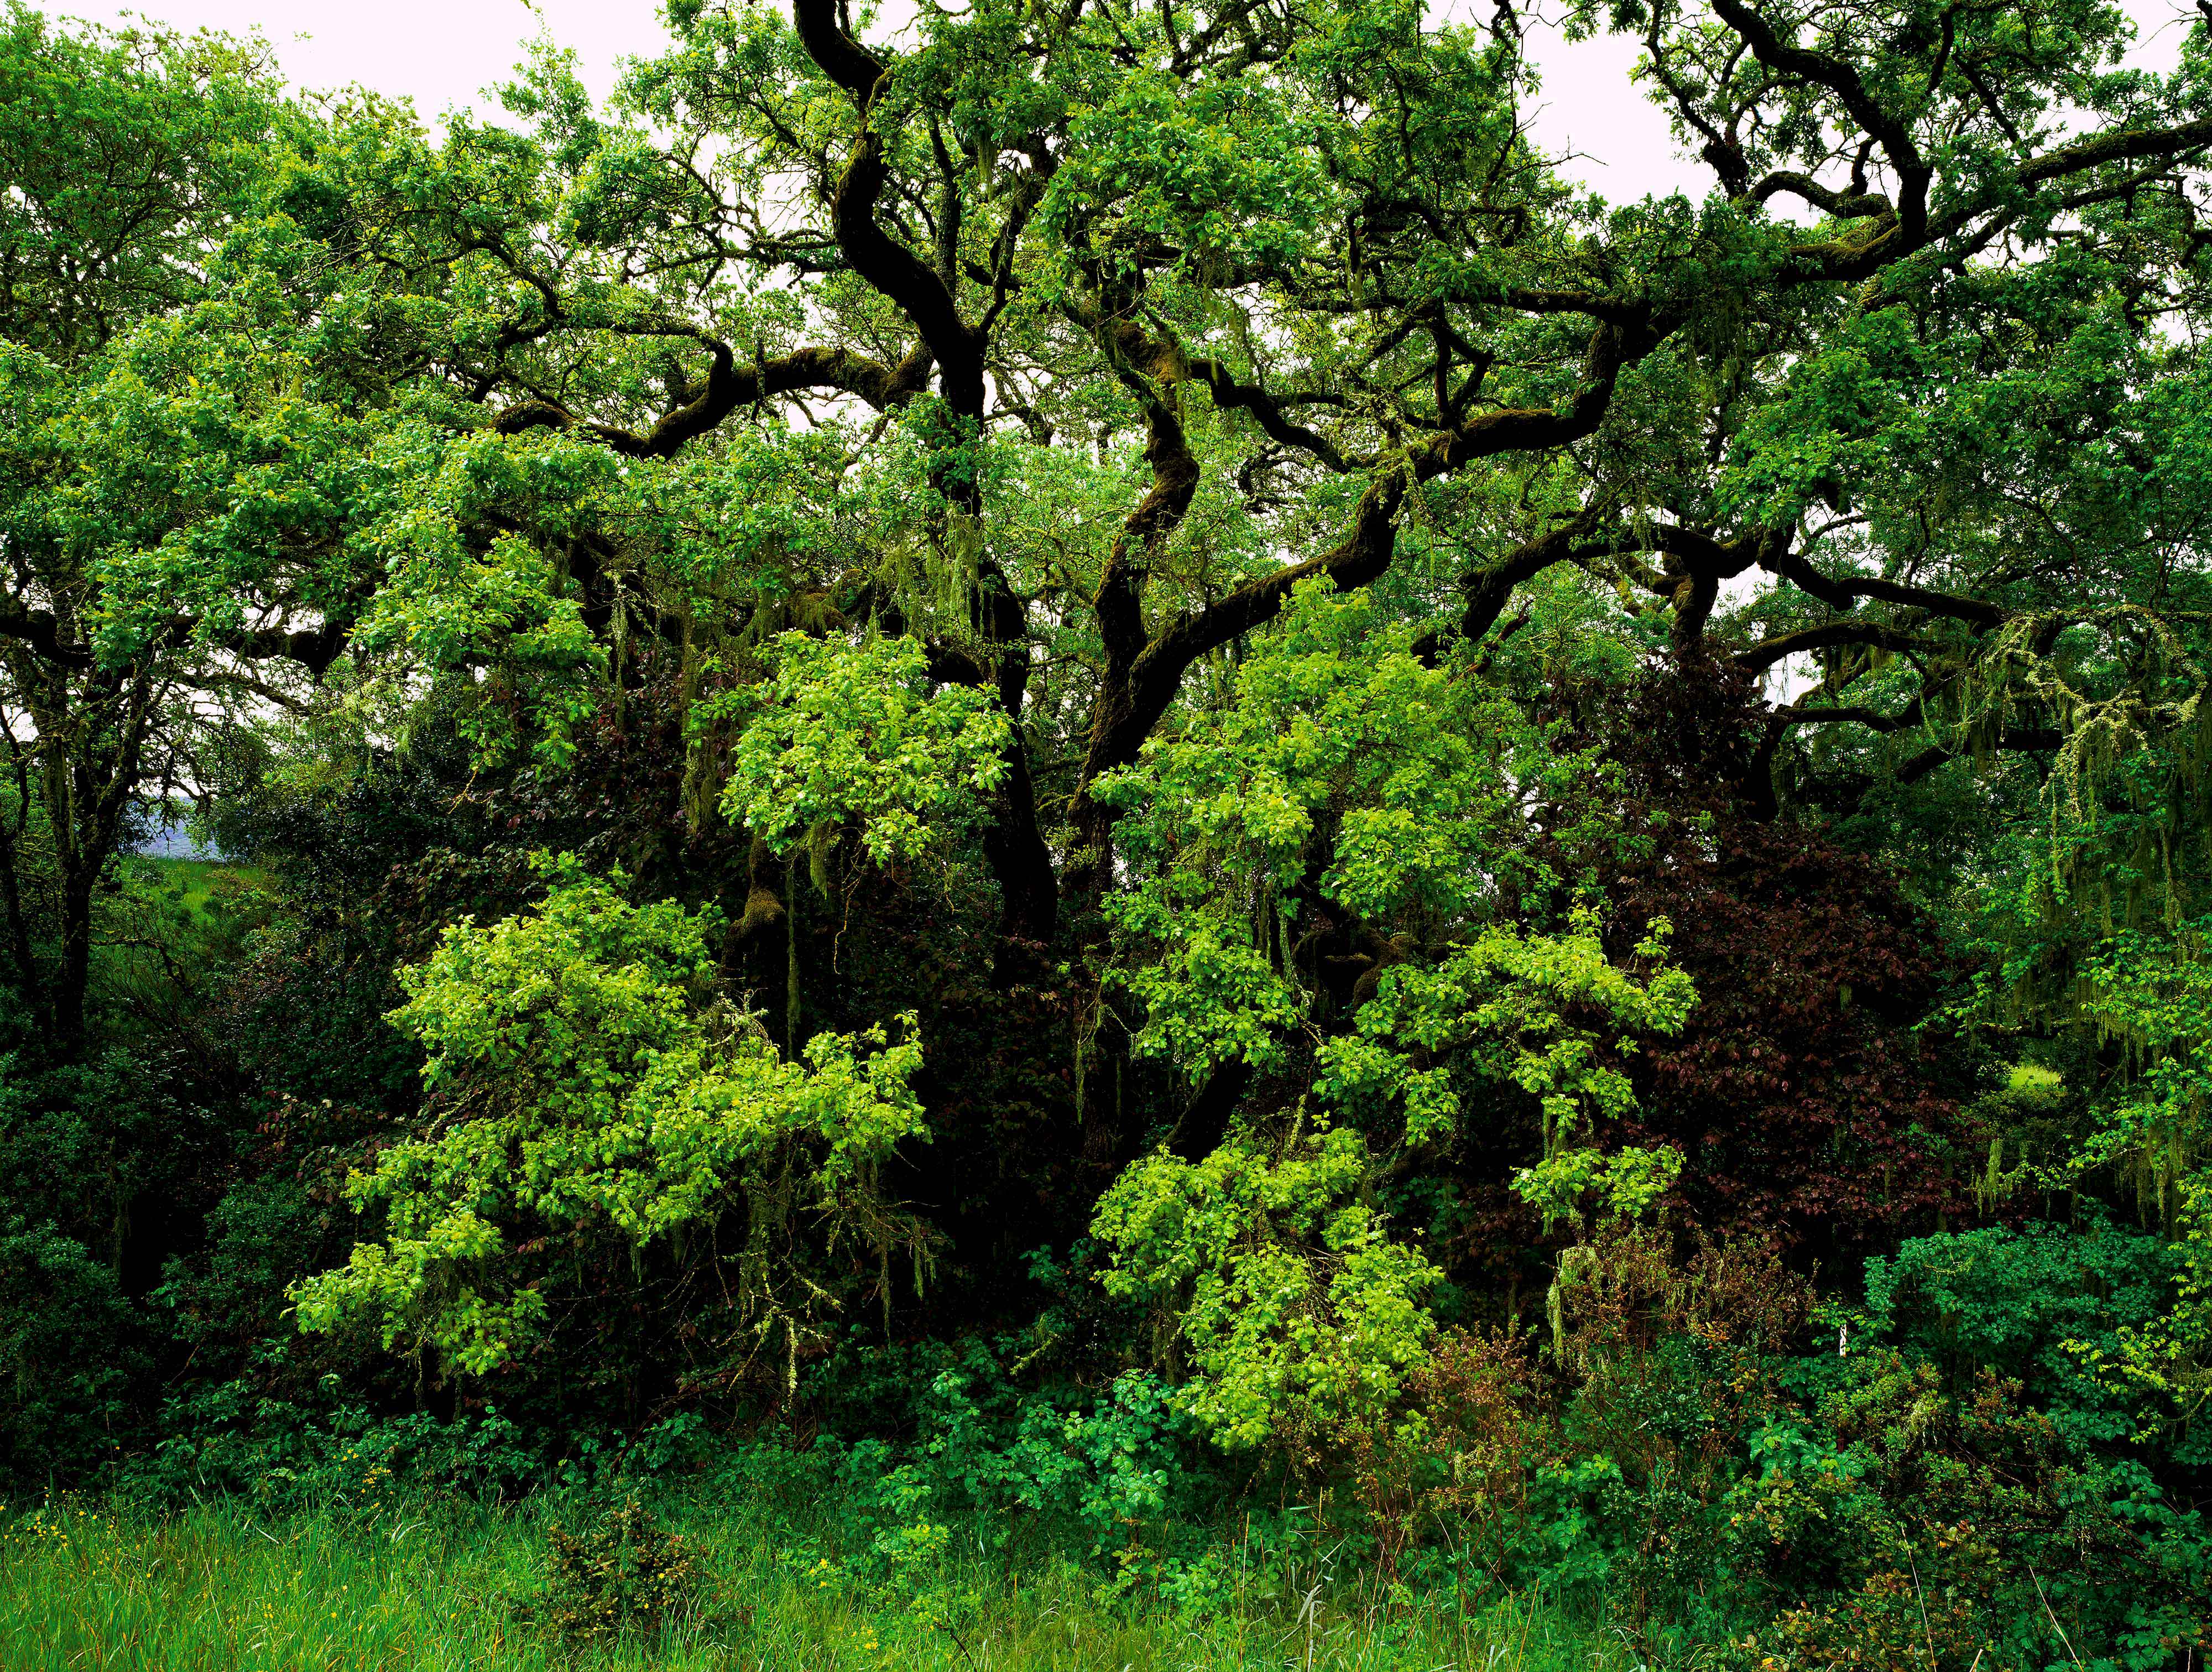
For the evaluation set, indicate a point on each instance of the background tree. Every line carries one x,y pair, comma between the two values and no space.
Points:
130,391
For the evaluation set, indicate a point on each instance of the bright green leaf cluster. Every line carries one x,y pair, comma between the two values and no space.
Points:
1299,1309
1516,1004
587,1075
845,733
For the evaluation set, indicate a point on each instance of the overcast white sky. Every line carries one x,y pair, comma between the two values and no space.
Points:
442,53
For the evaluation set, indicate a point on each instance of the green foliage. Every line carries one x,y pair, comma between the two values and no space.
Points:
1332,729
1118,1479
88,1145
118,147
1977,1505
320,1455
2144,997
591,1079
1509,1005
70,1344
1707,1464
1300,1314
619,1572
1299,1311
2039,1307
2168,1353
449,606
95,1154
843,734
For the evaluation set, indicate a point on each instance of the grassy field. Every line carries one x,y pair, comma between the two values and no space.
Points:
217,1589
201,890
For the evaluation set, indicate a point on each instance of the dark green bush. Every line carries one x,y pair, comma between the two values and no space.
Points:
2027,1305
70,1346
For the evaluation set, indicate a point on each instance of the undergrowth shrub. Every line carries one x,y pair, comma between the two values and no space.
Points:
1594,1462
1704,1447
1114,1476
618,1572
1892,1491
62,1406
228,1437
2038,1305
1454,1474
